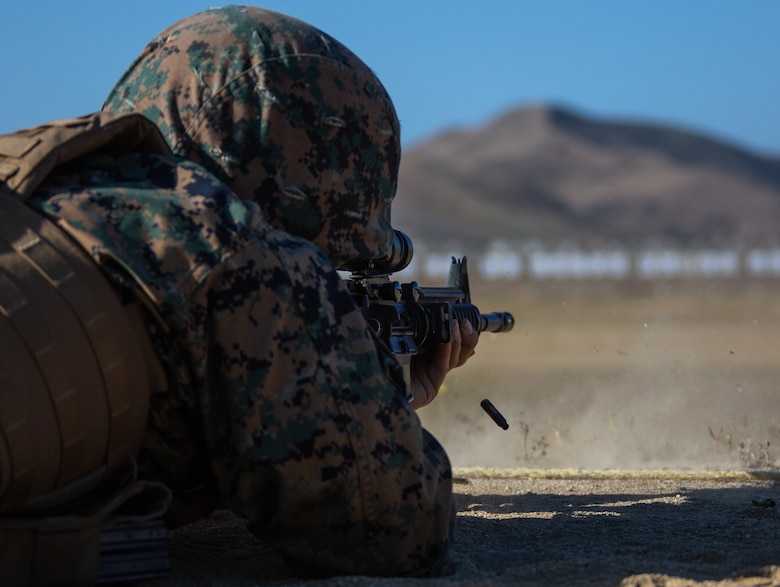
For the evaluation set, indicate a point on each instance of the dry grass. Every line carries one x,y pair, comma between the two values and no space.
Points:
668,376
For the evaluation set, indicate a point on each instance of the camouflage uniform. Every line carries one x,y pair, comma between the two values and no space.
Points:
278,395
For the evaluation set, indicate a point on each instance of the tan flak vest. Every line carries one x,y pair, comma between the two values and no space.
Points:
76,367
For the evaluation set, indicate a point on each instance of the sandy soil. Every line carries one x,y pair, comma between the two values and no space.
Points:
552,527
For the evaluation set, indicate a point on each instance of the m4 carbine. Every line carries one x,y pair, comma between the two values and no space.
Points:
411,319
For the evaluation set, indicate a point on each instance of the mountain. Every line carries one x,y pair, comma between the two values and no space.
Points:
550,174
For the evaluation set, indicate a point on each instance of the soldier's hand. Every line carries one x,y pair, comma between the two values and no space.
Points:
428,371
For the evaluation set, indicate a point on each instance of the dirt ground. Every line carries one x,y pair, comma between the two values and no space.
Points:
551,527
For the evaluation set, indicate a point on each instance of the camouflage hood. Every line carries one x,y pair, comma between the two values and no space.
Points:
284,114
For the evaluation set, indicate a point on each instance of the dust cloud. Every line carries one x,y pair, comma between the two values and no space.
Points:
621,384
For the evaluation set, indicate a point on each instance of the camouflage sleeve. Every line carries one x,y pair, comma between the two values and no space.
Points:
310,438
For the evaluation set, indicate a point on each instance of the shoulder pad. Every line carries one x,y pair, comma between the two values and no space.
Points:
28,156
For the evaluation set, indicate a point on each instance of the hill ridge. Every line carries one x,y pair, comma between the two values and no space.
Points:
550,173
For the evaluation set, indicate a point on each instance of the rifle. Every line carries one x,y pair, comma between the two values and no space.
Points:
411,319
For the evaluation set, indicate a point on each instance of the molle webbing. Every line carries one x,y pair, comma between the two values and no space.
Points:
74,383
74,386
27,157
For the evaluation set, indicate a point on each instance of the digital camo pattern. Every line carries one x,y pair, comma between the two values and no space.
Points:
286,115
276,385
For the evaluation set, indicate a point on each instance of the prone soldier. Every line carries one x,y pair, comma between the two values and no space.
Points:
172,312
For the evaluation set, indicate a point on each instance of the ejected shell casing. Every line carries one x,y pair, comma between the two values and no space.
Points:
763,502
494,413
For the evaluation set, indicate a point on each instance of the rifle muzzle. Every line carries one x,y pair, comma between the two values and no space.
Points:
490,322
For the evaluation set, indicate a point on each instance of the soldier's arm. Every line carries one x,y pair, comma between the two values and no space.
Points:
311,439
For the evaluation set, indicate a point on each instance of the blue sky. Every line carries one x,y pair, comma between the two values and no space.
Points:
708,65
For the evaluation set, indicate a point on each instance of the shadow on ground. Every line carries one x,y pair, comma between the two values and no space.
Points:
658,529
